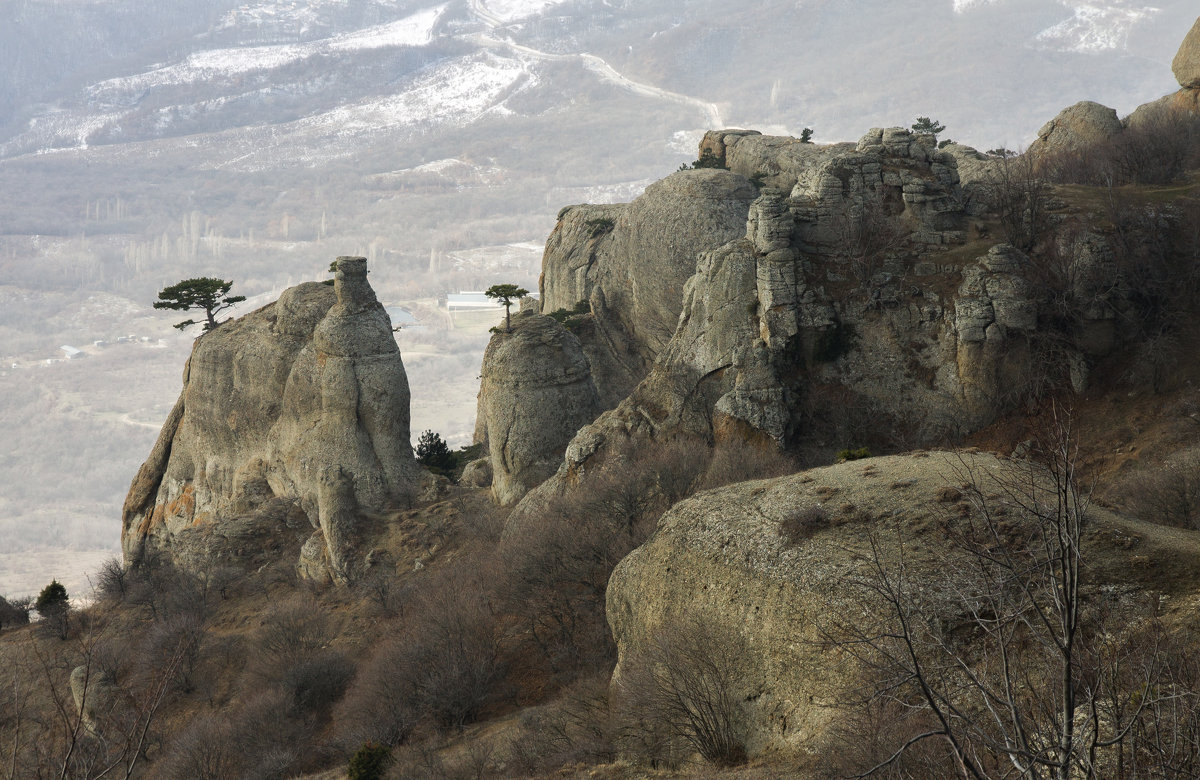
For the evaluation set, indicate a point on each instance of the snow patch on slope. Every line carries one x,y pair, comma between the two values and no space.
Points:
511,10
414,30
453,92
1095,27
962,6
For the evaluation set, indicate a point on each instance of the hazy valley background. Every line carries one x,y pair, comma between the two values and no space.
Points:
145,142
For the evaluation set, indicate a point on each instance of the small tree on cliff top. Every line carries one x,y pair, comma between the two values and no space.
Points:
926,126
205,293
506,294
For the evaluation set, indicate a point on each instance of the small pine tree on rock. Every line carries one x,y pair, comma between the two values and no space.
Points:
926,126
204,293
506,294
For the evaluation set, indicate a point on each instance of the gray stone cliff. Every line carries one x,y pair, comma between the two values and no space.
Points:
630,263
848,307
721,559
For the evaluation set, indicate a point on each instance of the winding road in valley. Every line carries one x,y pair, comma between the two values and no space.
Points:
710,111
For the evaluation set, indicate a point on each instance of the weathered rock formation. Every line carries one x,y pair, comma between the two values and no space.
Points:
630,263
1186,101
1186,64
721,560
841,313
536,392
94,694
292,417
1076,129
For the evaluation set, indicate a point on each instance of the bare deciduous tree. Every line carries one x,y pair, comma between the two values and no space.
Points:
682,686
996,646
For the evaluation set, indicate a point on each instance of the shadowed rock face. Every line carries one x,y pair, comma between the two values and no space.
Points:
292,417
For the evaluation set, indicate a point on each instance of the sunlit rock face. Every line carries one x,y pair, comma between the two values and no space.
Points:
293,420
536,391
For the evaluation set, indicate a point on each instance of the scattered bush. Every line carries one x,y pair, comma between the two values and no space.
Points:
575,729
846,455
804,524
707,160
739,460
1168,494
442,670
13,613
52,598
112,580
926,126
564,315
314,684
433,453
369,762
55,607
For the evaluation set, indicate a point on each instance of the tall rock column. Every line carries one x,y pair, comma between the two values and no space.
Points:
296,411
536,393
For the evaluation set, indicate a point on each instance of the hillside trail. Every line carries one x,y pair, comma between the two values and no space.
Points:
594,64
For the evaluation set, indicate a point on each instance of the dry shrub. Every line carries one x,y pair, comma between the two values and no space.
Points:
1167,494
576,729
112,580
293,652
443,668
738,461
177,638
257,739
1159,149
558,570
803,524
677,696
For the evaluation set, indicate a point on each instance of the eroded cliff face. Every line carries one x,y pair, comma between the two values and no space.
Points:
630,263
862,299
293,420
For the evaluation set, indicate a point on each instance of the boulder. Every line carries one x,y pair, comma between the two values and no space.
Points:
299,409
781,162
1186,64
94,694
1076,129
728,561
535,393
477,473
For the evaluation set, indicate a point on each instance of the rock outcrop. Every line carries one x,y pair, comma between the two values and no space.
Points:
723,560
95,696
1186,64
292,417
1076,130
840,314
536,392
631,262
